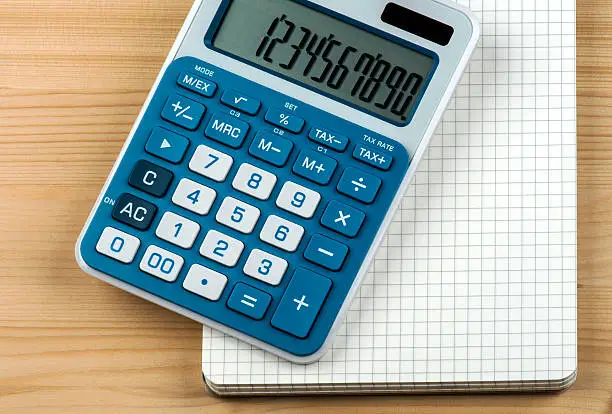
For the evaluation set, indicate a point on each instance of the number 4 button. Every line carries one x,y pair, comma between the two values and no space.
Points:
194,197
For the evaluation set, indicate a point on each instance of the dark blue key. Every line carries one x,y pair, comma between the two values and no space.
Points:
329,139
271,148
326,252
241,102
227,130
134,211
167,145
183,112
150,178
343,219
249,301
301,303
359,185
373,157
197,84
315,167
285,120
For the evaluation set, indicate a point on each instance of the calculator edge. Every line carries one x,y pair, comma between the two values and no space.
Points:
174,55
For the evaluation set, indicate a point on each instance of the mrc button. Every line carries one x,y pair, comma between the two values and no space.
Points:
227,130
373,157
134,211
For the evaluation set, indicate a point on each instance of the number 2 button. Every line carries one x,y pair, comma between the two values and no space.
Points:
221,248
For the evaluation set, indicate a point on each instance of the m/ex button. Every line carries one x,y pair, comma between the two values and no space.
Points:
301,303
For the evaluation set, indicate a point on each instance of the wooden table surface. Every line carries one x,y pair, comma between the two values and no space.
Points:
73,76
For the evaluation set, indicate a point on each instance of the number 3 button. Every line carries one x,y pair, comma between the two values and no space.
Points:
265,267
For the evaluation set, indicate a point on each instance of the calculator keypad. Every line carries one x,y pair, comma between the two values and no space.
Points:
245,206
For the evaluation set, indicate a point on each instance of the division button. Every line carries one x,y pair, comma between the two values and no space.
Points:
359,185
301,303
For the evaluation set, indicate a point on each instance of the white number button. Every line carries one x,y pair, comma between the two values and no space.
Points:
161,263
265,267
298,200
254,181
205,282
194,197
177,230
282,233
211,163
221,248
118,245
238,215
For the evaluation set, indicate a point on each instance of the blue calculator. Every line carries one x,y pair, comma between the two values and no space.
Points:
270,157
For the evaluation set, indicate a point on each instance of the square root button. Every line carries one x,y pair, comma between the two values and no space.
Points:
301,303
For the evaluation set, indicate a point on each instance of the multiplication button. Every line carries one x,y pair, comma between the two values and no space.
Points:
343,219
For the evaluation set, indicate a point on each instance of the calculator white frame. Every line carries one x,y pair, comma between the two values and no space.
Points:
190,42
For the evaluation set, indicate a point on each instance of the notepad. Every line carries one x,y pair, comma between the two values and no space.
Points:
474,288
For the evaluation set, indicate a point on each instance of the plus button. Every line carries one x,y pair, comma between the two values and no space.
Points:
301,302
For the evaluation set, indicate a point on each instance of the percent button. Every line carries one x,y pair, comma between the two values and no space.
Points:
285,120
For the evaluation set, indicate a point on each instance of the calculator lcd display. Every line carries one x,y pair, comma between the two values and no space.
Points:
327,54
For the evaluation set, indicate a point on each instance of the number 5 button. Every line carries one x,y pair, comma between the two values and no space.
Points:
298,200
237,215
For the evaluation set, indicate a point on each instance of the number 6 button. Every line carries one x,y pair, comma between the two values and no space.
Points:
282,233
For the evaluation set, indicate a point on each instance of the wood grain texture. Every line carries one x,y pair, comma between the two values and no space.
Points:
73,76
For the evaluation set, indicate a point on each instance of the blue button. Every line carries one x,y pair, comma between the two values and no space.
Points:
372,157
197,84
249,301
271,148
227,130
241,102
183,112
167,145
343,219
301,303
315,167
326,252
285,120
359,185
329,139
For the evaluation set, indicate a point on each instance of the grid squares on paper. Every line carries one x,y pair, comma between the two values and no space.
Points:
476,280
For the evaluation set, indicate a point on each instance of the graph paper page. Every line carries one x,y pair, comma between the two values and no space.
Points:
476,280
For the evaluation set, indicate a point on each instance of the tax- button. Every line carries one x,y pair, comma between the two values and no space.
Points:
285,120
227,130
301,303
372,157
326,252
343,219
150,178
167,145
249,301
134,211
359,185
329,139
271,148
241,102
315,167
183,112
